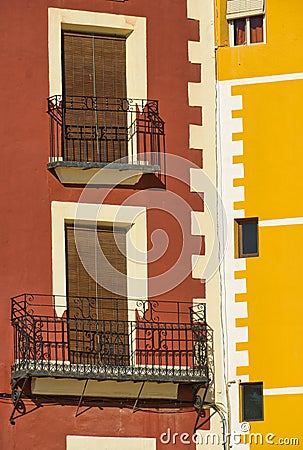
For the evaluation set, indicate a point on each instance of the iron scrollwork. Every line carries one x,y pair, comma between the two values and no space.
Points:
17,392
161,341
104,130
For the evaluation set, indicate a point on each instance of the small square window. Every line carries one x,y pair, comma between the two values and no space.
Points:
247,30
252,404
247,237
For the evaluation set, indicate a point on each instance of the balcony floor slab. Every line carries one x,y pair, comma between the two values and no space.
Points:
94,173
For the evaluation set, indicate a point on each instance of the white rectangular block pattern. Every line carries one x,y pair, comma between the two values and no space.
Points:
109,443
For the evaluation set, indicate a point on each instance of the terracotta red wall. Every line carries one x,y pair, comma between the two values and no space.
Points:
27,190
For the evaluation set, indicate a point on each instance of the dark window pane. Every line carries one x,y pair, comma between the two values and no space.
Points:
256,29
252,402
249,238
240,31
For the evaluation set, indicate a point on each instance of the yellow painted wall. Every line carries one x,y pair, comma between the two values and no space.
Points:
282,52
273,188
283,421
273,148
273,182
221,26
275,308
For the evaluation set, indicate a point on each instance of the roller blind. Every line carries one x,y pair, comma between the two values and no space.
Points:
244,8
98,317
94,65
109,271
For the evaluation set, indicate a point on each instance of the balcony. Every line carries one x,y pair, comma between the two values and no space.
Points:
158,342
122,137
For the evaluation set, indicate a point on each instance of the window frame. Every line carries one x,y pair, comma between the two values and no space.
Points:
133,27
132,217
247,33
244,418
238,237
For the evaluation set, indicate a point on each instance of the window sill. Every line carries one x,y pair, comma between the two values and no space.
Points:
248,45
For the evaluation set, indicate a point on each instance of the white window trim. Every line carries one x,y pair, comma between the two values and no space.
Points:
109,443
232,32
133,217
131,26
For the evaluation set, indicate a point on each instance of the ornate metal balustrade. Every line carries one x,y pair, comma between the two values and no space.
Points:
99,130
95,338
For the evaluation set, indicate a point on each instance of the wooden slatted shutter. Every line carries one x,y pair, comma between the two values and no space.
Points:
98,315
94,66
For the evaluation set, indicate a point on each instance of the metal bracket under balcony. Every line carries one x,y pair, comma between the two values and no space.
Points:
157,343
105,141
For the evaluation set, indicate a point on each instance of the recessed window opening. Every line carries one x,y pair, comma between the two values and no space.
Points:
247,30
246,21
252,403
247,237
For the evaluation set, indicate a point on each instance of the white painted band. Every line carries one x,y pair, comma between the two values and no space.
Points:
109,443
280,222
265,79
284,391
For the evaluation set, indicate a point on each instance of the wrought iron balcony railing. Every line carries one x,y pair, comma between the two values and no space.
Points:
94,338
97,130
